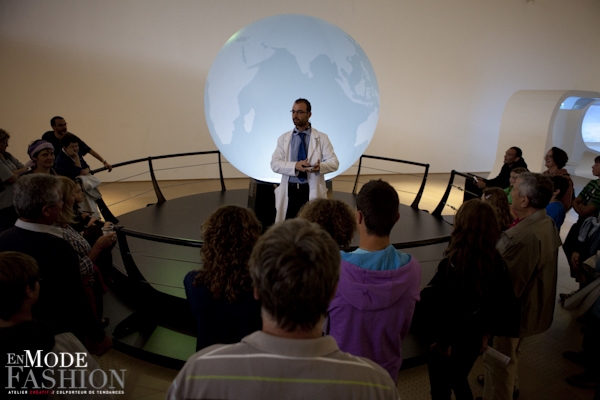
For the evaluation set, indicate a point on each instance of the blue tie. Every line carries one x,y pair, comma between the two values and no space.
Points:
302,155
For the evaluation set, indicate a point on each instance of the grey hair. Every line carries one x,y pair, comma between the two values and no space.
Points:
537,187
295,267
33,192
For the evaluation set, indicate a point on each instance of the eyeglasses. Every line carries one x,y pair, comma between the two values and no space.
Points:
298,112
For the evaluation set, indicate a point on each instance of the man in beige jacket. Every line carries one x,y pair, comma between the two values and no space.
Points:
530,250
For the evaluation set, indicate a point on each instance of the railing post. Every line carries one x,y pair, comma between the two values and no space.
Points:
133,271
159,195
438,210
415,203
105,211
221,174
357,175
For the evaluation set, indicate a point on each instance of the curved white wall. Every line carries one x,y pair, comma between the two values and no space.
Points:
129,76
534,121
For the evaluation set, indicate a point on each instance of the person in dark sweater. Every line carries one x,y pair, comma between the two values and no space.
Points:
513,158
69,160
63,302
220,294
469,298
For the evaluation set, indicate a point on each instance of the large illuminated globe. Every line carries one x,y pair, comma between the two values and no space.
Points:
264,67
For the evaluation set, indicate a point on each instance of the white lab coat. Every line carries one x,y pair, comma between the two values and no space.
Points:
319,149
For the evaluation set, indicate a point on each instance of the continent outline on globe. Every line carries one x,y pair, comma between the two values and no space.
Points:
268,64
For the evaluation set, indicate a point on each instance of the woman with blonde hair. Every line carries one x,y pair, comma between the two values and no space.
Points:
86,253
220,293
469,298
496,197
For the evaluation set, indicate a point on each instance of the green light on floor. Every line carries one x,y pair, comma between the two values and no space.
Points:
166,342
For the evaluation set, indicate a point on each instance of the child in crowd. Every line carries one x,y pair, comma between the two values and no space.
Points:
513,176
555,209
497,198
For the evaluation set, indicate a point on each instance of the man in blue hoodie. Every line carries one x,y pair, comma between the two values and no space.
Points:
374,304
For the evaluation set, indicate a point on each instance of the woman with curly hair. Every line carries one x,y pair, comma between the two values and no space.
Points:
220,294
496,197
335,216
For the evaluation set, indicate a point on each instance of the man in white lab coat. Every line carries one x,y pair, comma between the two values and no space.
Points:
303,156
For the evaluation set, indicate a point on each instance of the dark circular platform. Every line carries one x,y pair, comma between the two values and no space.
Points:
163,266
182,217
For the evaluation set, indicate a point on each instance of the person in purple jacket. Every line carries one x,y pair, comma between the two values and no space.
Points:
374,304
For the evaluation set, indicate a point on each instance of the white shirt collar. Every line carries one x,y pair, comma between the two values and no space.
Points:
42,228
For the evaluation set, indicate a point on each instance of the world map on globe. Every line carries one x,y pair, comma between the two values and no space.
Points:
263,68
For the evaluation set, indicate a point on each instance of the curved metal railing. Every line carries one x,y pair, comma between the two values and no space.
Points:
124,232
415,203
154,300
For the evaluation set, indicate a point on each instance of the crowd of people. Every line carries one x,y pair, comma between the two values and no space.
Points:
294,312
55,257
495,287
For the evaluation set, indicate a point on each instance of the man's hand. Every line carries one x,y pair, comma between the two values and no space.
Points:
480,183
301,164
317,167
107,165
84,171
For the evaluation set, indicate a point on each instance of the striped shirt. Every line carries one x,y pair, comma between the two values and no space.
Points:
591,195
263,366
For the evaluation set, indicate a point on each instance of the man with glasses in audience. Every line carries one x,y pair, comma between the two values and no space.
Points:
303,156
